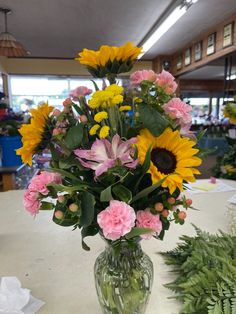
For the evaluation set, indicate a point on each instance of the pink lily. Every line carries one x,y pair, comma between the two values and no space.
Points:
104,155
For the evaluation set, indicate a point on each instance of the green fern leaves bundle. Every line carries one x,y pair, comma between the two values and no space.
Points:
206,273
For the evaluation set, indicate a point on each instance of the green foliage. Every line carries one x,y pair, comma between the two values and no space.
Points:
152,119
206,273
226,165
74,136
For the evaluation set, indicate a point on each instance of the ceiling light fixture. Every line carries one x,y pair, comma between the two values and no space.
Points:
171,19
9,46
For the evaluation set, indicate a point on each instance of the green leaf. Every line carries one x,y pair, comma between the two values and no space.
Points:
152,119
87,208
147,160
46,206
201,134
148,190
86,232
95,85
67,174
74,136
135,232
106,195
122,193
69,189
66,222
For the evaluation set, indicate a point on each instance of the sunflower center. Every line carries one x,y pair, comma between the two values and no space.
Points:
164,160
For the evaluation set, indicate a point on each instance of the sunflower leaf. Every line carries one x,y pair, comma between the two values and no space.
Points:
152,119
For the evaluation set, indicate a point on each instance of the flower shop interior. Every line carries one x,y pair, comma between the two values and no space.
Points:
125,106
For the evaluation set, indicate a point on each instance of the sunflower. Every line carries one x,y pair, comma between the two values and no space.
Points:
109,59
172,157
34,134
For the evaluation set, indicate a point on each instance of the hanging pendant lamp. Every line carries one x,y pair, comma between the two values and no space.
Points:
9,46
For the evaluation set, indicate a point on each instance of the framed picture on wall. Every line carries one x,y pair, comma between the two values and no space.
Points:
211,44
179,62
187,56
228,35
198,51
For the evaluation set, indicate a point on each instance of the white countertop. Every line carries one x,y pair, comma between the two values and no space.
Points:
48,259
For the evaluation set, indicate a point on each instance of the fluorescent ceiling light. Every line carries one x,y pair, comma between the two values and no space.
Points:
231,77
171,19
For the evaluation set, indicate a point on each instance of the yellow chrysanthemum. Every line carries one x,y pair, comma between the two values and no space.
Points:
230,169
172,157
33,133
125,108
107,53
104,132
107,97
100,116
115,89
94,129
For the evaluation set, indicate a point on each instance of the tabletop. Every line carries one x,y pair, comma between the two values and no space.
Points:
48,259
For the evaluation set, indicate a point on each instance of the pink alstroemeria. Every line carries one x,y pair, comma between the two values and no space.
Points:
80,91
167,81
104,155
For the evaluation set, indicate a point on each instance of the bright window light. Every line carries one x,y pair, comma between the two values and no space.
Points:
231,77
174,16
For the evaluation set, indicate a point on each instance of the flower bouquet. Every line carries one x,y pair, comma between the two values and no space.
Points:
120,159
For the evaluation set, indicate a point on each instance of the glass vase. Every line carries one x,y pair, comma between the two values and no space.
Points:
123,278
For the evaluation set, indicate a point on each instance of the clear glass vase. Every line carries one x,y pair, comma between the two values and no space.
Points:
123,278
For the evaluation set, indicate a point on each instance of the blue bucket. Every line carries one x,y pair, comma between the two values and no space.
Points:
8,146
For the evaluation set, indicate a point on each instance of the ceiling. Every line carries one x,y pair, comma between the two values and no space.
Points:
212,71
61,28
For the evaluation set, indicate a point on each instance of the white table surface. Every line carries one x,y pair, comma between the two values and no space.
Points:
48,259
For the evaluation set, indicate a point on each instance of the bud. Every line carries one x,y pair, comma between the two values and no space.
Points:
83,118
61,198
159,207
73,207
182,215
56,131
59,214
67,102
171,200
56,112
165,213
136,114
189,202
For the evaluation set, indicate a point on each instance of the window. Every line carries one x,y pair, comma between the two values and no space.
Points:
28,91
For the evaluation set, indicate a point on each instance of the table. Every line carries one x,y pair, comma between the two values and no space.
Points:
49,260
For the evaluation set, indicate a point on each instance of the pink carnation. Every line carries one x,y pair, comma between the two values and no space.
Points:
137,77
31,202
39,182
167,81
179,110
116,220
79,92
145,219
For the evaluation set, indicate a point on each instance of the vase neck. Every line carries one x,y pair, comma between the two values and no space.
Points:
122,251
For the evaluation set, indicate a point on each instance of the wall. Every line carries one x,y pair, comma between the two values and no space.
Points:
33,66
